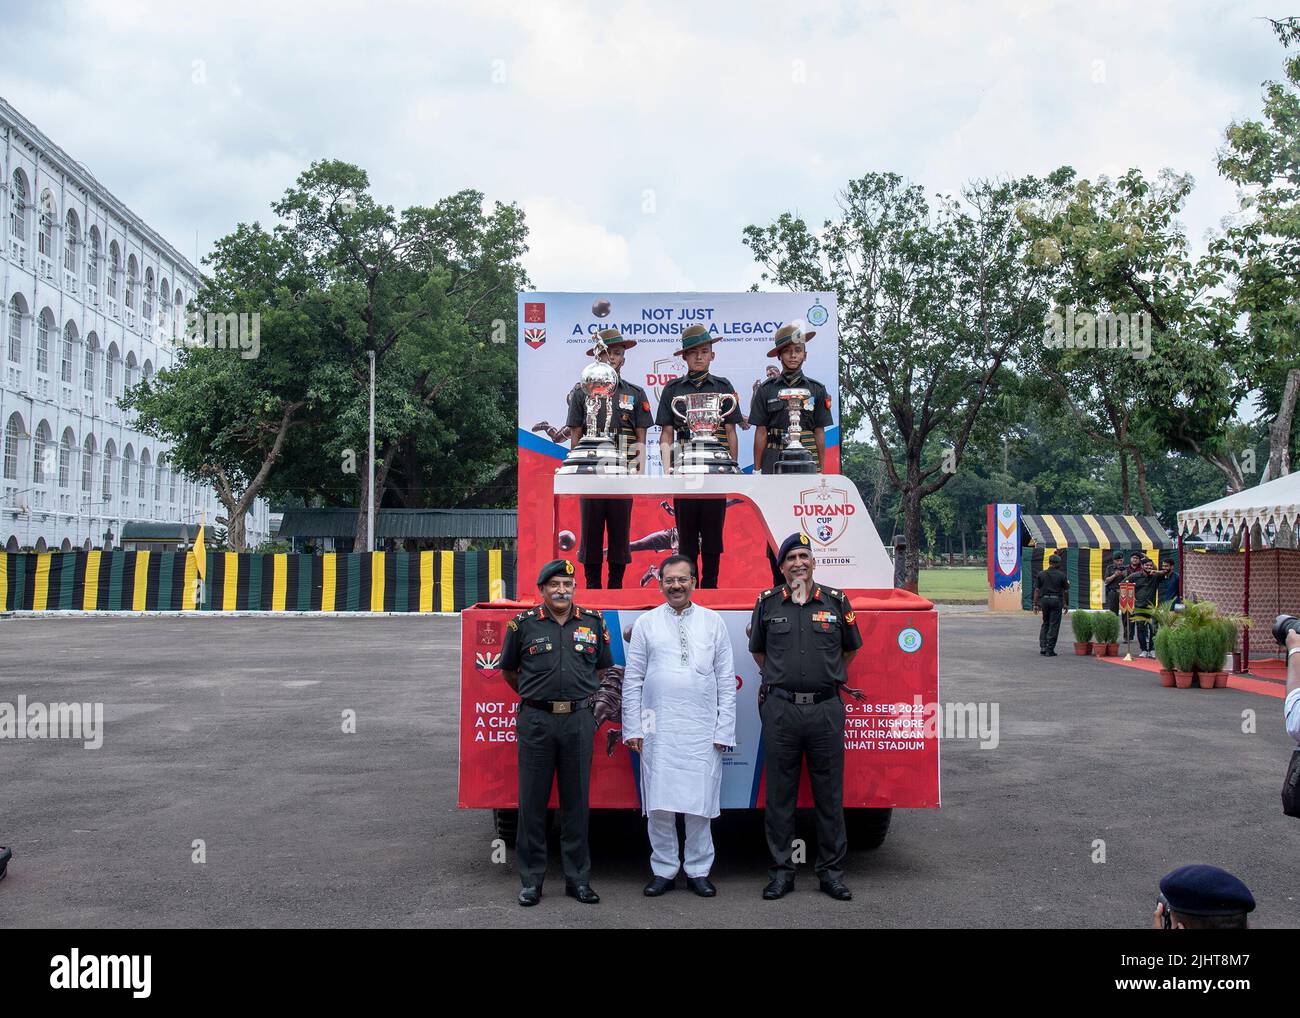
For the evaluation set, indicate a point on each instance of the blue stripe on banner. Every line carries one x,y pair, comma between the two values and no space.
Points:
619,653
536,443
832,435
758,768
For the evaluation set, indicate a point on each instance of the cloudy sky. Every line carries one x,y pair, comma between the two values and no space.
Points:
640,138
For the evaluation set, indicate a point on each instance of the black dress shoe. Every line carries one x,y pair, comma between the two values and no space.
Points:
583,893
1051,653
530,896
777,889
837,890
658,886
1042,652
701,886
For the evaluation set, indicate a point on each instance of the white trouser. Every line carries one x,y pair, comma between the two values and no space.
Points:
664,849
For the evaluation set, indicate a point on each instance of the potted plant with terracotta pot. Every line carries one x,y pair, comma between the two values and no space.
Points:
1208,643
1165,656
1081,623
1182,646
1227,642
1105,633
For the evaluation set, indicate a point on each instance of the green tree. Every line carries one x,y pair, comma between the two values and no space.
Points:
435,301
230,416
931,299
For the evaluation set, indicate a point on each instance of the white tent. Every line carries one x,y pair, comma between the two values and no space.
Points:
1276,502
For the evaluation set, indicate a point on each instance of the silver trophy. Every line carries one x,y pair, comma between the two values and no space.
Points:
596,452
794,458
703,453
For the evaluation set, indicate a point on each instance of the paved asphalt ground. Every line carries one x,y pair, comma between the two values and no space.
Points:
228,730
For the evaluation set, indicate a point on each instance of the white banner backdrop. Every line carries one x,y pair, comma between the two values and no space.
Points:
557,329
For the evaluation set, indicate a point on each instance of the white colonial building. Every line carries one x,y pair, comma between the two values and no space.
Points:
94,301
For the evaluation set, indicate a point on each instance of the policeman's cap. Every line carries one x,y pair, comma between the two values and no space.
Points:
793,541
1206,890
556,567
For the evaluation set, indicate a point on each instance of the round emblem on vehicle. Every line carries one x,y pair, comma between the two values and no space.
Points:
909,640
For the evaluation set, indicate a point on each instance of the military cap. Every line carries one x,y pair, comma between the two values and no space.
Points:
555,567
695,335
1206,890
793,541
787,334
612,338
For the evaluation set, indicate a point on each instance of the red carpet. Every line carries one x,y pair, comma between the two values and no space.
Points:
1263,677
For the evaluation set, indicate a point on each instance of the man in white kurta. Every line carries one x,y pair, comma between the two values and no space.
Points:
679,714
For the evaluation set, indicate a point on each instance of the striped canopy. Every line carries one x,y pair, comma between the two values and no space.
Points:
1087,530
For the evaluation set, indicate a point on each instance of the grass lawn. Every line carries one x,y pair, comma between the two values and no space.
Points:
959,583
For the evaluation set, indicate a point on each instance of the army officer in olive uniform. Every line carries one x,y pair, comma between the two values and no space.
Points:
551,657
769,414
803,636
611,515
699,520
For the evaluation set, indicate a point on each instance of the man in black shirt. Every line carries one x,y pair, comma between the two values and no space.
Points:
552,656
803,637
769,414
632,417
1112,580
1051,597
699,520
1146,585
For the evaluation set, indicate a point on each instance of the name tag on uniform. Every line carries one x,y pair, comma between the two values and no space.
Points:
781,619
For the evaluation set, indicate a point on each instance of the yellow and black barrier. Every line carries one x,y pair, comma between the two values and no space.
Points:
425,581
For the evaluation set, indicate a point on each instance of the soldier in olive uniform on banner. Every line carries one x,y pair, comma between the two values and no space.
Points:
611,515
699,520
769,414
803,637
551,657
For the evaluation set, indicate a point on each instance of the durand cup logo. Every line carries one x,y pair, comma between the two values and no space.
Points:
661,373
823,512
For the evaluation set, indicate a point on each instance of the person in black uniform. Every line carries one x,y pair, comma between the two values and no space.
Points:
612,515
551,657
1051,597
1113,579
699,520
803,637
769,414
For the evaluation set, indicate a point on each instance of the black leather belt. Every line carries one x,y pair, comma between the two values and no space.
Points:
561,706
799,698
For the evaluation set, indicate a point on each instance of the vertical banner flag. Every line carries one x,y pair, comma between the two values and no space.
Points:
1004,557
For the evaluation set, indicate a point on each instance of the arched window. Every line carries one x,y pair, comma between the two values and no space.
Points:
14,435
178,314
92,258
164,303
72,233
69,341
132,274
171,485
16,315
43,323
42,454
87,463
158,471
146,300
110,370
18,208
130,369
148,370
144,473
92,352
128,461
45,239
66,445
114,269
110,454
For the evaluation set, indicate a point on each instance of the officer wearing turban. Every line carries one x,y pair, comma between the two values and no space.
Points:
551,657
